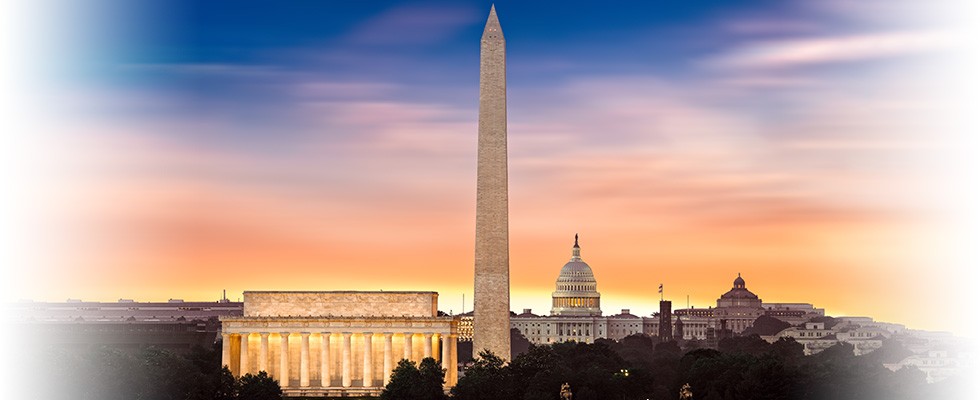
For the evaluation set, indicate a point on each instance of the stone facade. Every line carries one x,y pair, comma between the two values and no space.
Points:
491,286
375,304
314,351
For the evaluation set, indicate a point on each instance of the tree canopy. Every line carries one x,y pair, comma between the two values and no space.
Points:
638,367
408,382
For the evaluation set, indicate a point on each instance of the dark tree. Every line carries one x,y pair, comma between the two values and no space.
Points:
432,377
766,326
410,383
670,347
223,385
487,379
787,349
752,344
403,381
259,387
518,343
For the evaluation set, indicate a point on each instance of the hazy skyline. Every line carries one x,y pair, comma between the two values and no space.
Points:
175,149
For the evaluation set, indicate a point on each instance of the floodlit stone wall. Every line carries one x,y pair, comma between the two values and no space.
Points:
347,304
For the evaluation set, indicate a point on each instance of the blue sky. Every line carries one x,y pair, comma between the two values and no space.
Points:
686,141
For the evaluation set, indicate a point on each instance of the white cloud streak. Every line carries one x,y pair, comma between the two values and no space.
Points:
786,53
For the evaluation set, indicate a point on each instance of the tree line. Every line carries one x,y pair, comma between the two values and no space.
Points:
638,367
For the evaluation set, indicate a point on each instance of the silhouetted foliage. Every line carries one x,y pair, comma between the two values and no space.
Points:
752,344
433,377
259,387
766,326
404,378
745,367
787,349
518,343
487,379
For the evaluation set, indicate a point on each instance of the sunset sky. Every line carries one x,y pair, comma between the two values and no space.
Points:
174,149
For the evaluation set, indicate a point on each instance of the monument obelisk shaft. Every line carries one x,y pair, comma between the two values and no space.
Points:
491,300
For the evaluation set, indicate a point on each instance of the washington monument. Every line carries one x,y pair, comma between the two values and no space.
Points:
491,287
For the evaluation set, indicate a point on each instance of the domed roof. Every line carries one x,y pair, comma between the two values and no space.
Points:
575,289
739,291
739,282
576,270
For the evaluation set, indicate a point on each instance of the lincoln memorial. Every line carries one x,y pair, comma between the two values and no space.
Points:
336,343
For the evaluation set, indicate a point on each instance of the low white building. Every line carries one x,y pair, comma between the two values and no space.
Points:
936,364
816,336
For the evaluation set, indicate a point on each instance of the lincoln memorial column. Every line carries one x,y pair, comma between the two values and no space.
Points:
284,359
427,344
368,361
453,359
243,366
324,359
226,350
408,346
304,359
387,371
345,361
264,352
445,357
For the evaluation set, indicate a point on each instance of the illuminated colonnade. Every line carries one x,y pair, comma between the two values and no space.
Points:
337,355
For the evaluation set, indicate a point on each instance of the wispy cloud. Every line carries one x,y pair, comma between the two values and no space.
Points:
413,25
771,54
771,26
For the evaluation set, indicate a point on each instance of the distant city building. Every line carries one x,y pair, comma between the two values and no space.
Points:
175,325
337,344
575,311
817,336
737,310
576,314
937,364
664,331
792,313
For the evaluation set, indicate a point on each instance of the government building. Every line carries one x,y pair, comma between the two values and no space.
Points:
575,310
576,313
336,344
736,310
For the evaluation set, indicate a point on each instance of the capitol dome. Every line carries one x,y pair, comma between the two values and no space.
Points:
575,290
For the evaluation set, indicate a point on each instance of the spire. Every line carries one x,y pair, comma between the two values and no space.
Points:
492,30
576,251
